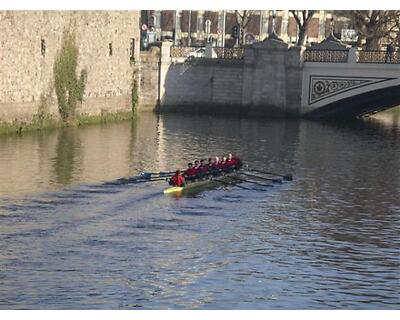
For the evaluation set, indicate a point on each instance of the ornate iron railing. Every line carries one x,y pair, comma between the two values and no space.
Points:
378,56
182,52
326,55
229,53
199,52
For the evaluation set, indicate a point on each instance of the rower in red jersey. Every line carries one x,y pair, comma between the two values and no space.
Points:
233,161
210,163
203,169
190,172
224,166
215,166
177,180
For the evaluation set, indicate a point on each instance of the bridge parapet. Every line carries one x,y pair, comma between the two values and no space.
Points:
351,55
366,82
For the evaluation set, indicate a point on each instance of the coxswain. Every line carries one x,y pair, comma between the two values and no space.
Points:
190,173
177,180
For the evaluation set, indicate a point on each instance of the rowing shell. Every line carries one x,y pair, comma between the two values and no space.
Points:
174,190
193,185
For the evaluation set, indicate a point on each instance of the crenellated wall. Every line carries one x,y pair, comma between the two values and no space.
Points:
29,42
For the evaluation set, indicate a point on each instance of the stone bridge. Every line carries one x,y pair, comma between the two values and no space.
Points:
271,78
349,83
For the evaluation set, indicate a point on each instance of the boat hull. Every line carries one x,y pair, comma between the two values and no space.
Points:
193,186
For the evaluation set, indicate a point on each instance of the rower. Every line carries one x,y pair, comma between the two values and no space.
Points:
196,164
234,161
190,173
177,180
224,166
203,170
215,167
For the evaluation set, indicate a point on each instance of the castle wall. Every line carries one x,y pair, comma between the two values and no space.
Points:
104,39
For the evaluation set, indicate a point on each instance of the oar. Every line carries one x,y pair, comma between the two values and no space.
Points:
144,180
224,182
262,178
287,177
149,175
249,181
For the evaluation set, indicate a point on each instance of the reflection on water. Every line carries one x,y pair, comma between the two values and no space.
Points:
70,237
49,160
68,146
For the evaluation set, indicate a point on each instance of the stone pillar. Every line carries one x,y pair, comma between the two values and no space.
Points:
272,78
294,78
165,62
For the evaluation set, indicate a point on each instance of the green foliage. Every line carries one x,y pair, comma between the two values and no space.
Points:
18,126
68,88
134,96
104,117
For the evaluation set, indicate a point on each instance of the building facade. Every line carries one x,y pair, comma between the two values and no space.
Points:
196,27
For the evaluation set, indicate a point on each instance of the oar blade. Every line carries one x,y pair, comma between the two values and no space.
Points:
288,177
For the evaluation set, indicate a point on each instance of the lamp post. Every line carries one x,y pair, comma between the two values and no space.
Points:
273,34
223,29
273,21
208,29
189,35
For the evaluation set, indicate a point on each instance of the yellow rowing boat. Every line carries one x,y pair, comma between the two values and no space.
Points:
200,183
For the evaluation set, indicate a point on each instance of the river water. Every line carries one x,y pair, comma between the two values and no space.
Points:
73,236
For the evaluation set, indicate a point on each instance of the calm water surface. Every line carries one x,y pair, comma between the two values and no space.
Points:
73,237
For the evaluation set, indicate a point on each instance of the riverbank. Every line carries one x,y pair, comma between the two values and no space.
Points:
19,127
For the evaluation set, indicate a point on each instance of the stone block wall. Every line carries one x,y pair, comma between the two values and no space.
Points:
268,81
149,78
207,83
30,41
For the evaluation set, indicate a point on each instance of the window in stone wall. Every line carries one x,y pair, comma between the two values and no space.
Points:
132,50
110,49
43,47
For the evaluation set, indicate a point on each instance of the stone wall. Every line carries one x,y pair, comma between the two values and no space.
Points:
30,41
210,83
149,79
268,82
272,78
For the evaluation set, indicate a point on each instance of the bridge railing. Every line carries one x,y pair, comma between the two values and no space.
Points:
179,52
342,56
229,53
323,55
378,56
199,52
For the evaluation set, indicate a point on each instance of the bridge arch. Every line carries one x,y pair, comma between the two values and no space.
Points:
348,89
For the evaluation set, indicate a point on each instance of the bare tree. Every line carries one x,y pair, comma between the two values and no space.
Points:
374,27
303,18
243,17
